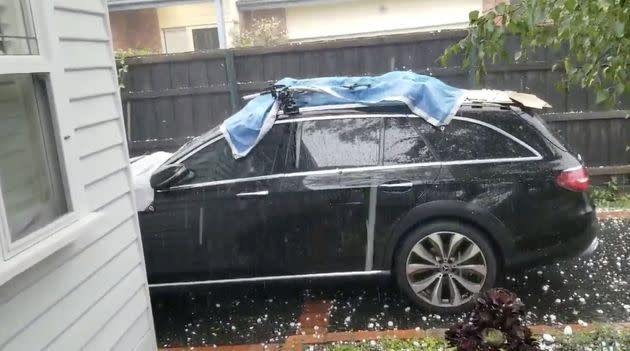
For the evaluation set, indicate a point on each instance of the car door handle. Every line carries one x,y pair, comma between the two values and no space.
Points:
253,194
396,186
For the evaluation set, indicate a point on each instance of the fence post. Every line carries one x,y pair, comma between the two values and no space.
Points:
127,106
230,70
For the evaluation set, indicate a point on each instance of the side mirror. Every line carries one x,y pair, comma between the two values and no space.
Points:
166,176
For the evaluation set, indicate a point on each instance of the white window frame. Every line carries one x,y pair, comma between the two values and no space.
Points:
189,36
19,255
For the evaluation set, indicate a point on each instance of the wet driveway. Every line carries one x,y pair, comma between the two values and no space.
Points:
594,289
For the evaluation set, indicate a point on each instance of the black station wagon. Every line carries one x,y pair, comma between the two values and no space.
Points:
372,191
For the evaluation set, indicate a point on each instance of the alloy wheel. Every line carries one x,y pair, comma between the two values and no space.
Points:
446,269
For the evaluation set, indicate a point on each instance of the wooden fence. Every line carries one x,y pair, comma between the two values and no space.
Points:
170,98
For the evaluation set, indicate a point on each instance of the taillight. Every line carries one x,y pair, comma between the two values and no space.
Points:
574,179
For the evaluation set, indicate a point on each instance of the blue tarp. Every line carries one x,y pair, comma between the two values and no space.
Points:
425,96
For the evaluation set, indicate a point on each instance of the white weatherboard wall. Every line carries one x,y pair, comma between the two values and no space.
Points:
347,19
93,293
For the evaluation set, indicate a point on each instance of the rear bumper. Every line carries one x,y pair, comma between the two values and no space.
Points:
575,244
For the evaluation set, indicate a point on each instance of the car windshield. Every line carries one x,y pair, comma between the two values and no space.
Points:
193,144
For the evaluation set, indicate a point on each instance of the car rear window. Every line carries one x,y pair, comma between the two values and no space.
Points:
464,140
518,123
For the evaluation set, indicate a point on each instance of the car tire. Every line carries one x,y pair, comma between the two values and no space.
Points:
440,266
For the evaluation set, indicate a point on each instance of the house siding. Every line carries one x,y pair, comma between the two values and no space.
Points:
136,29
375,17
93,293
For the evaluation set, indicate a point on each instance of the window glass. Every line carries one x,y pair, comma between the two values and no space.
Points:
17,34
519,124
30,178
176,40
205,39
461,140
215,162
338,143
403,142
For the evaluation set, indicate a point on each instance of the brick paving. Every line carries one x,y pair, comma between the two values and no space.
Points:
614,214
314,317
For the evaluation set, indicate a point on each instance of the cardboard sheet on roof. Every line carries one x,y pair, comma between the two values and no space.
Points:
506,97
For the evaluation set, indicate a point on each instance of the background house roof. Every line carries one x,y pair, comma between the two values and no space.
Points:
121,5
270,4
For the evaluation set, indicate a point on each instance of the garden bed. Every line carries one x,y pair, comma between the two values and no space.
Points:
598,338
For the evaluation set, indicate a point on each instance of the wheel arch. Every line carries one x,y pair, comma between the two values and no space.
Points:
498,235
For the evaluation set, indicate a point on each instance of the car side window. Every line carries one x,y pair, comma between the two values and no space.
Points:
338,143
462,140
403,142
215,162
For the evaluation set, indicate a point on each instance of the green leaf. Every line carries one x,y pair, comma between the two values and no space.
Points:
490,26
518,54
602,95
619,29
473,16
443,60
619,88
568,66
501,8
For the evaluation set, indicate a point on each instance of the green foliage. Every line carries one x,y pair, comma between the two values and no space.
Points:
602,338
605,338
596,34
610,195
121,57
266,31
606,193
392,344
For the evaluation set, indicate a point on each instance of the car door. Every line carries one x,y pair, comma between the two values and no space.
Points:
236,195
409,169
325,197
489,168
169,233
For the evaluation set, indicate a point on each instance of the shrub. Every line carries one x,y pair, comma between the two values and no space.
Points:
267,31
392,344
495,324
605,338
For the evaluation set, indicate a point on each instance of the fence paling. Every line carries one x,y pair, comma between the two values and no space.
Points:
173,97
